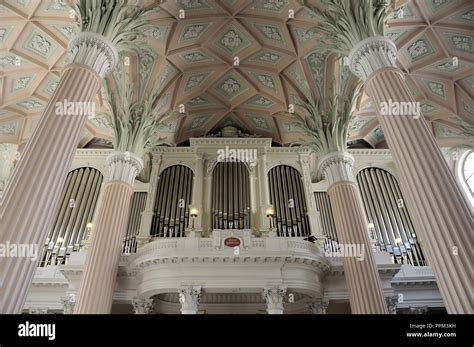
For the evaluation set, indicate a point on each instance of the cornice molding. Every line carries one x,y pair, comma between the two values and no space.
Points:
370,152
196,142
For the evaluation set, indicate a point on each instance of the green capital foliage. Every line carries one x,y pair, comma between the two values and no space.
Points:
325,117
134,117
344,23
116,20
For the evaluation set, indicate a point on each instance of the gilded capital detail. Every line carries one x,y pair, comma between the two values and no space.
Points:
371,55
93,50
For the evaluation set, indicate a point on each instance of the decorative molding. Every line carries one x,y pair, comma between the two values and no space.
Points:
384,153
38,310
196,142
162,149
93,50
371,55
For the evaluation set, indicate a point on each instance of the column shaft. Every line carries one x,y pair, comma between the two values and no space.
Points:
362,278
445,219
100,270
30,199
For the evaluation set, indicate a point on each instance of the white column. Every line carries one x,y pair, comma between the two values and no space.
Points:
361,273
274,298
309,197
30,199
198,191
189,298
148,213
264,203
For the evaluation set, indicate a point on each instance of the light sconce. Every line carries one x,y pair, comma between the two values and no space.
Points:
193,213
270,213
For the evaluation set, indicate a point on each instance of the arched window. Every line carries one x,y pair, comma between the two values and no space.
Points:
173,196
75,210
288,200
390,225
230,196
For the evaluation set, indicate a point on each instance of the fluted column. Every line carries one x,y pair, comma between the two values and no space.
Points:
316,229
198,191
362,278
274,298
264,203
189,299
445,220
148,213
100,270
263,180
30,198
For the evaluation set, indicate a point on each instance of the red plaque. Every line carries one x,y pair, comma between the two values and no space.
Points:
232,242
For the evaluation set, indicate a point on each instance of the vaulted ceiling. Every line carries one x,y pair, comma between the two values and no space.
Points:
239,63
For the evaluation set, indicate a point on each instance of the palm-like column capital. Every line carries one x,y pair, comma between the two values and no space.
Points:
134,117
326,117
105,29
345,23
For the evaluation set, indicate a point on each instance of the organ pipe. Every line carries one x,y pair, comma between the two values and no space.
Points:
171,210
137,206
231,196
75,210
287,197
384,207
323,206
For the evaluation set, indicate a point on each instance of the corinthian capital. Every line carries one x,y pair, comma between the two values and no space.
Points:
124,166
371,55
94,51
336,167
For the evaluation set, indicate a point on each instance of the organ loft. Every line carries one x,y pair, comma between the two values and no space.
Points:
236,157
